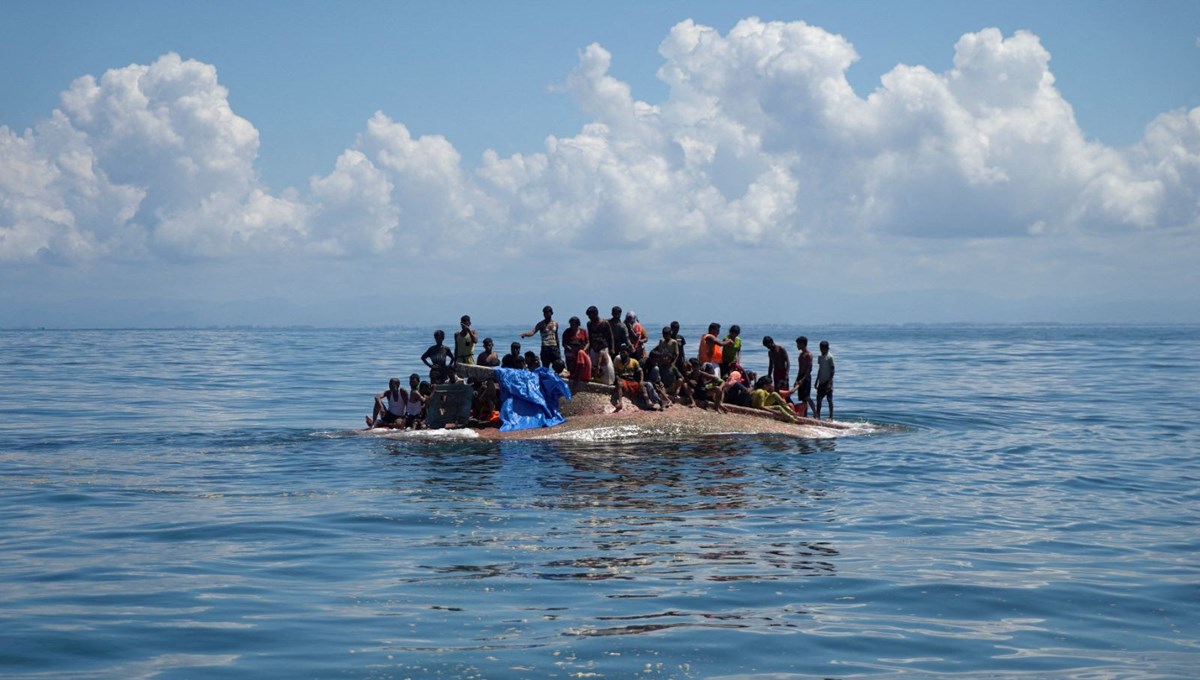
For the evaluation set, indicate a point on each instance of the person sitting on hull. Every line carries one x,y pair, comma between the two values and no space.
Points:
414,415
390,414
766,398
670,382
630,383
532,361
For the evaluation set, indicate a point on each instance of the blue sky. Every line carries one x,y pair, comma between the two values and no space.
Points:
377,163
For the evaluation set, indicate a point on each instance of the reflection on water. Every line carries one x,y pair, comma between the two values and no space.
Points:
249,536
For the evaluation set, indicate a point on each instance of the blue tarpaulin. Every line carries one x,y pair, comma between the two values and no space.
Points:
529,399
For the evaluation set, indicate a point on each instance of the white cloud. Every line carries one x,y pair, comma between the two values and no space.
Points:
761,143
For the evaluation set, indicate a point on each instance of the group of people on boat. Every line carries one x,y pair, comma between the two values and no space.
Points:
615,352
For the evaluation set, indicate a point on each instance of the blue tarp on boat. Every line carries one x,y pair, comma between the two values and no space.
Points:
529,399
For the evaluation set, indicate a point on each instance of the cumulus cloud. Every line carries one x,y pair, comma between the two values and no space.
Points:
761,143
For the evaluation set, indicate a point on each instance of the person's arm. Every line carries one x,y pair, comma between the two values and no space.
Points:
379,401
425,358
557,340
537,326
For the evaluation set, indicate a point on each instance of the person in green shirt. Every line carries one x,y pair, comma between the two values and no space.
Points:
731,358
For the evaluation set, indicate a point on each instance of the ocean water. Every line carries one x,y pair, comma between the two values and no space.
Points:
197,504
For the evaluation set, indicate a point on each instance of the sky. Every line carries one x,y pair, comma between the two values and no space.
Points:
392,163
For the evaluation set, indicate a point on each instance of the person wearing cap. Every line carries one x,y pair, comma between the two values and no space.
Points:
548,328
464,342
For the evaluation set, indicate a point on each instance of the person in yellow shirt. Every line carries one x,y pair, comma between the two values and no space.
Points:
765,397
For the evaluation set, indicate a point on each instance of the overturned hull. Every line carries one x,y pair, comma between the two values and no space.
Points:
592,415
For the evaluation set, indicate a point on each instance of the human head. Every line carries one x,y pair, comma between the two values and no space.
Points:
623,351
531,360
487,344
394,383
573,322
547,311
616,312
768,341
516,348
414,380
631,316
674,328
439,336
801,342
465,321
735,330
666,331
824,347
593,313
714,328
558,366
762,383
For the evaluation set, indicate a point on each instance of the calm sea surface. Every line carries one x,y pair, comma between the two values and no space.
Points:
195,503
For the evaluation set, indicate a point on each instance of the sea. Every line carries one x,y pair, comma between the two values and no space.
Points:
1015,501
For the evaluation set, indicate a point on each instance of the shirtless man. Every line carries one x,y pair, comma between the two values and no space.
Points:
548,328
488,356
513,359
599,331
778,364
439,359
803,387
390,414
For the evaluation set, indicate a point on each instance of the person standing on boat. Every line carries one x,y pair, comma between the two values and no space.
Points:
574,339
803,387
731,358
387,415
680,341
778,365
488,356
824,379
711,349
637,336
464,342
598,331
548,328
439,359
620,334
